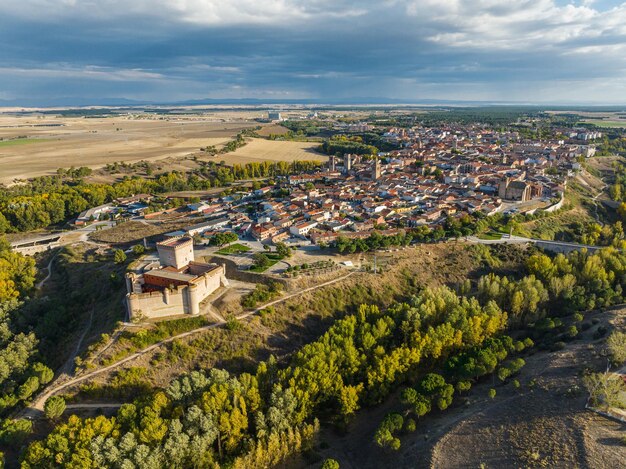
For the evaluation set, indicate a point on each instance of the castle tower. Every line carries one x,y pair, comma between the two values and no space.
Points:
176,252
331,163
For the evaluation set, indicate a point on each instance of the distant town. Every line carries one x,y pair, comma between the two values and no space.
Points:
437,174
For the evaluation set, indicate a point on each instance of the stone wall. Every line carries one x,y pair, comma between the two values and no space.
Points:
183,299
157,304
233,271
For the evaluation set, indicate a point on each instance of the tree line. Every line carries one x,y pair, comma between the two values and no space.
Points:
50,200
341,144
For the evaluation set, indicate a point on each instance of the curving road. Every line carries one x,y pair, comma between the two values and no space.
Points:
557,246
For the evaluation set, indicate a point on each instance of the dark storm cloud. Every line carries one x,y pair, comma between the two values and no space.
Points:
162,50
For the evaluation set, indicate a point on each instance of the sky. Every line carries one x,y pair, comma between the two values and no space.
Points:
535,51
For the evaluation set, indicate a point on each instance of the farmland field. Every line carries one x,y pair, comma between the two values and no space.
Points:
274,150
607,123
73,141
20,141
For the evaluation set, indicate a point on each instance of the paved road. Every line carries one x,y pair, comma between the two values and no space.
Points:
521,240
36,407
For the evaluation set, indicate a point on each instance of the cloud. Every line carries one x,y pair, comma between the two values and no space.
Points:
203,12
168,49
87,72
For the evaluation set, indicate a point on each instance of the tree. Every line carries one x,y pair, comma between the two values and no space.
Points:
492,393
261,260
617,347
119,256
54,407
220,239
17,272
283,250
384,435
14,432
138,249
605,389
330,464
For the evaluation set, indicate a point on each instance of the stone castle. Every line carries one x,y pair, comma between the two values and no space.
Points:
176,285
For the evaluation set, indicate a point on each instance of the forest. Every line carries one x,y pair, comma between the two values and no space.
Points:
341,144
434,345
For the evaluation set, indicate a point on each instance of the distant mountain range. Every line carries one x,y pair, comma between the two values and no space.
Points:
124,102
86,102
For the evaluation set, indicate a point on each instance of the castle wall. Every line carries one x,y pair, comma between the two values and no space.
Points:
184,299
157,304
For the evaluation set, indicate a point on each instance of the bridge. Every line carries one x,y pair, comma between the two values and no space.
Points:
36,244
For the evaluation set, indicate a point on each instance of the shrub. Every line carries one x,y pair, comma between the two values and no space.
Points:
138,249
557,346
384,435
119,256
492,393
330,464
601,332
463,386
572,332
410,426
234,325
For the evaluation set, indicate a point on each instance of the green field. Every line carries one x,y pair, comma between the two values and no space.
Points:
21,141
607,124
233,249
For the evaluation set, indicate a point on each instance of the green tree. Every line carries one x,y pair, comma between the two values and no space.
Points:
384,436
261,260
54,407
283,250
605,389
330,464
119,256
14,432
616,344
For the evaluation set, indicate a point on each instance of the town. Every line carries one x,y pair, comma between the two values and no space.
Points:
439,174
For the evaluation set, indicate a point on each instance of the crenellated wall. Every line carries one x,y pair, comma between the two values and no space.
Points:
182,299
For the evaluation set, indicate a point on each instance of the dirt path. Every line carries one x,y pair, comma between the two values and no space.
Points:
49,269
37,405
594,200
